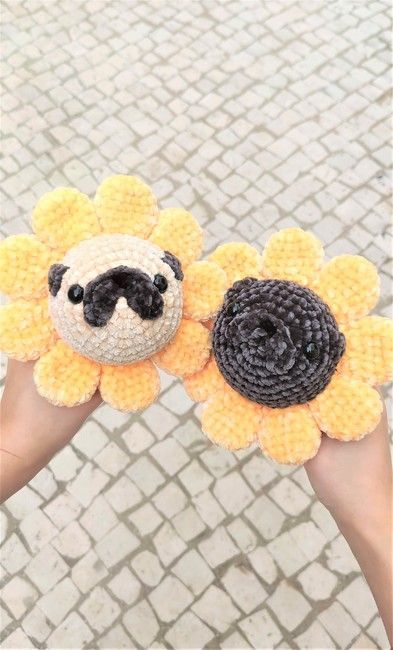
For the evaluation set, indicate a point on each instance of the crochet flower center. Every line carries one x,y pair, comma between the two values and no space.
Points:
116,298
276,342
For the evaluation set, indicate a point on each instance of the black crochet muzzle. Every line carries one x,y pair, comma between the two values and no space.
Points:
275,342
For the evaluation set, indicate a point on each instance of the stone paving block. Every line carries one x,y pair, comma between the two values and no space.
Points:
88,571
99,609
261,630
188,632
264,515
148,568
244,587
289,606
315,637
170,455
98,518
233,493
218,548
168,544
170,598
137,438
146,519
19,595
117,638
123,495
317,582
57,603
71,633
216,609
141,623
339,624
194,572
35,625
72,542
289,497
46,568
358,601
116,545
14,555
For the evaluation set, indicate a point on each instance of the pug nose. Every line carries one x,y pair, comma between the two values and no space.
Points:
121,287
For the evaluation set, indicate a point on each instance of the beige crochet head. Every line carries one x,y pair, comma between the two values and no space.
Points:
95,308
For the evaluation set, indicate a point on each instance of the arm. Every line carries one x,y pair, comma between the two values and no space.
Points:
32,429
354,481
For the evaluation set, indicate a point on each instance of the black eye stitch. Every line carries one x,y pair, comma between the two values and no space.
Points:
282,347
55,277
75,293
311,351
160,282
174,263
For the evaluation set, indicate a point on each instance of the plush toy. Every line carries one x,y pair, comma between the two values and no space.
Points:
103,292
293,350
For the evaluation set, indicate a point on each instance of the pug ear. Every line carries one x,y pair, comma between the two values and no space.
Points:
55,277
174,263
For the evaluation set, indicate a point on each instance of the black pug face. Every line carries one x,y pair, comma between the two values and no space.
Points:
275,342
116,298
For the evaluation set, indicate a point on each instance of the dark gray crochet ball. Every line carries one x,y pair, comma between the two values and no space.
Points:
276,342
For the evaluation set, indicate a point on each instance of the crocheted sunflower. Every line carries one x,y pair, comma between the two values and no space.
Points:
103,292
293,350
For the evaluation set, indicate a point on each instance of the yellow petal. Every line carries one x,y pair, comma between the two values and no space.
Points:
204,286
130,388
230,420
126,205
203,384
289,435
24,265
369,350
64,377
178,232
349,284
239,260
347,409
187,352
292,254
64,217
26,329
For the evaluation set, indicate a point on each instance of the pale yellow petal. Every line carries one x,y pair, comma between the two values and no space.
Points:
239,260
347,409
204,287
24,265
203,384
349,284
64,217
64,377
292,254
289,435
369,350
230,420
178,232
187,352
26,329
126,205
130,388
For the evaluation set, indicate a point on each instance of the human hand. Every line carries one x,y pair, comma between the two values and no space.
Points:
354,481
32,429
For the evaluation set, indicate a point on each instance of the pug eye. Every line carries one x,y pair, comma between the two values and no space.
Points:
75,293
233,309
160,282
311,351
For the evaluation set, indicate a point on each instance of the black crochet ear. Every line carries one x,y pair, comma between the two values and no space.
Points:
55,277
174,263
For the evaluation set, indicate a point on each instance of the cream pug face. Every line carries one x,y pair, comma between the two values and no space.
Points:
116,299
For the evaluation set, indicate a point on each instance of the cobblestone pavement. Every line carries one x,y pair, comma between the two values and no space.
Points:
254,115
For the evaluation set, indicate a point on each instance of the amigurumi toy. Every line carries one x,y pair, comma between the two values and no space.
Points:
103,292
293,350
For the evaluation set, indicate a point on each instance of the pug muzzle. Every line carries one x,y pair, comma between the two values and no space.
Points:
100,296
